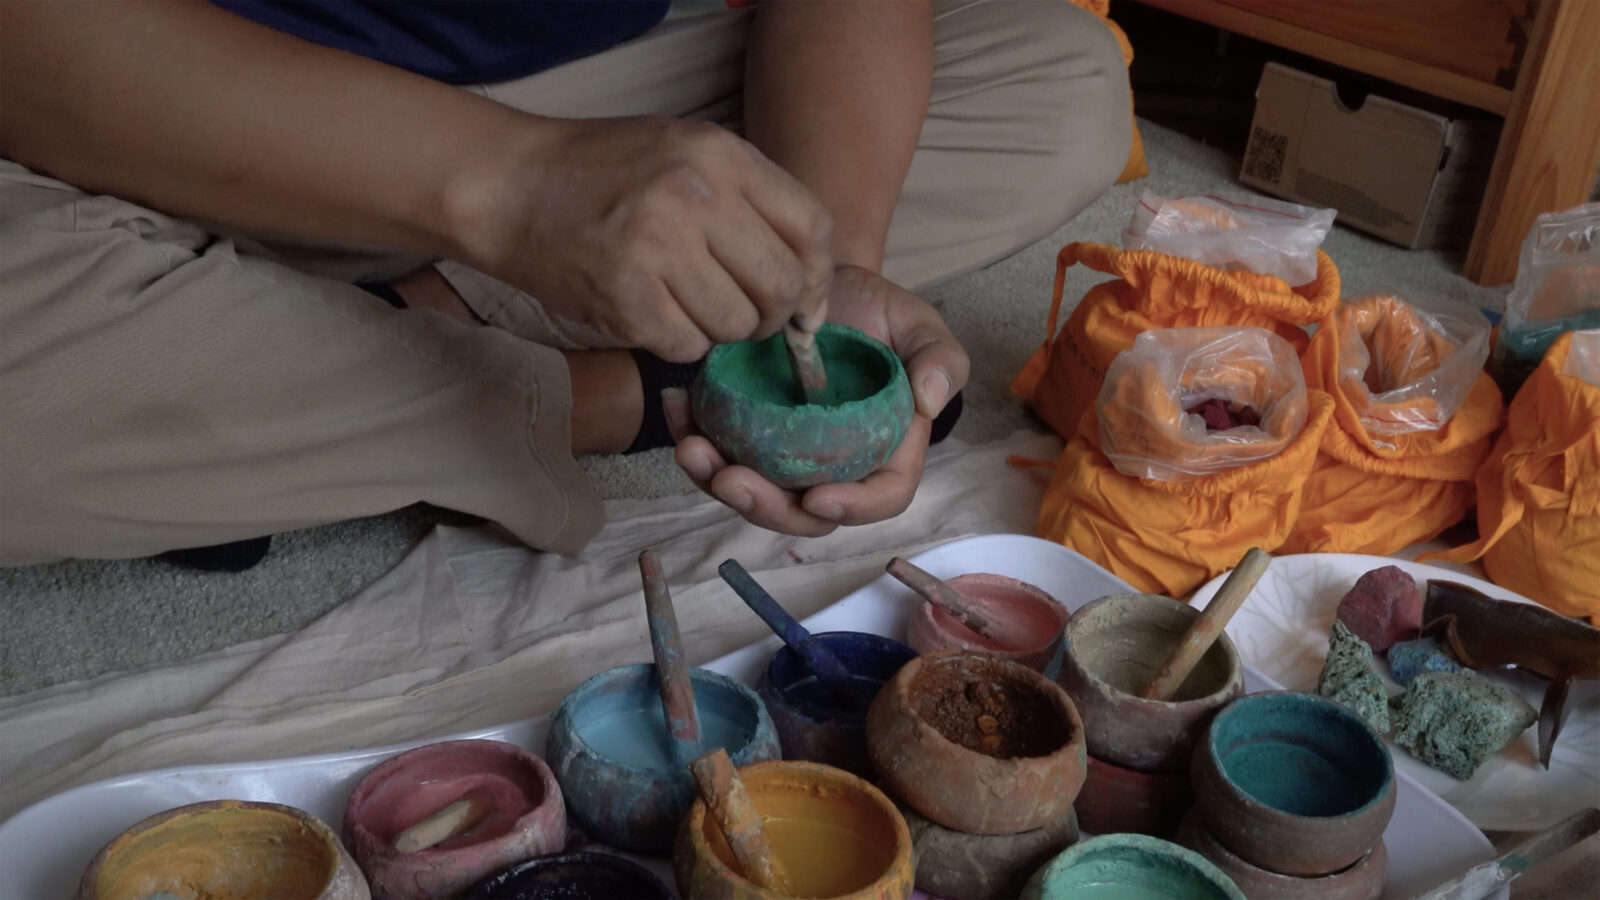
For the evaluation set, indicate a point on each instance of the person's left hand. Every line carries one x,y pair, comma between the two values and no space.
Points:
937,367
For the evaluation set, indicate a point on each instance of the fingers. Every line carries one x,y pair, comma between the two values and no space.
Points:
935,362
803,223
882,495
759,501
765,268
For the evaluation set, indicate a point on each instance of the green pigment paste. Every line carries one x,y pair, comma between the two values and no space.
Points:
1347,677
1455,721
1299,754
761,370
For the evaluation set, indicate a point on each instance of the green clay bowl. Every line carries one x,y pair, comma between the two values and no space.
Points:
749,403
1130,867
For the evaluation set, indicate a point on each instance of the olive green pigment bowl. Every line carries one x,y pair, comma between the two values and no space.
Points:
748,402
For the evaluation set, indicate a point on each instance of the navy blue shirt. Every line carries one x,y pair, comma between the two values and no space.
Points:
461,41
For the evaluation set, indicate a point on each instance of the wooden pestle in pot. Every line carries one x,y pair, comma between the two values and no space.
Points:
672,670
1208,625
941,594
728,803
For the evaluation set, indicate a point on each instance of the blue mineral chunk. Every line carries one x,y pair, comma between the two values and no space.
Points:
1408,659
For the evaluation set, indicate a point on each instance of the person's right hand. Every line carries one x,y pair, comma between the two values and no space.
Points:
659,233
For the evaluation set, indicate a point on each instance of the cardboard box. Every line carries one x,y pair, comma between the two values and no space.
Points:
1404,174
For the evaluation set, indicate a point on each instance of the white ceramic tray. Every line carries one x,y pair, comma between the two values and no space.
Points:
1282,630
44,848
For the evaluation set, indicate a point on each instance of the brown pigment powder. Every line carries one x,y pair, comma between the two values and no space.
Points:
980,708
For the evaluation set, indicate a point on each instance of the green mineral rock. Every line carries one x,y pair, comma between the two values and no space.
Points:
1347,677
1455,721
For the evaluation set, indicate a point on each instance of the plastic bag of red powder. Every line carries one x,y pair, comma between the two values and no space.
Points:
1187,402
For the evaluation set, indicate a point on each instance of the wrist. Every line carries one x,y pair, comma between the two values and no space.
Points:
489,196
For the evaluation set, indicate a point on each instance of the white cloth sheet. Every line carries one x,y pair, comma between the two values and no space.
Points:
471,630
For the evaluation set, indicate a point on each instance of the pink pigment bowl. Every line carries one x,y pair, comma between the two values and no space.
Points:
522,815
1007,599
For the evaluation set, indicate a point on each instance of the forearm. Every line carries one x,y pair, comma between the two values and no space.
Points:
835,92
195,111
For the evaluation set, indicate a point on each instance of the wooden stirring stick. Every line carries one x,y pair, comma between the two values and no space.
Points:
941,594
807,362
1200,636
728,803
672,671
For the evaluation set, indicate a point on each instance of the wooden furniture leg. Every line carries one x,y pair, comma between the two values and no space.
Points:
1550,146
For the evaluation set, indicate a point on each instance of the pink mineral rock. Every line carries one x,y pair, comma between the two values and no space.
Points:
1383,607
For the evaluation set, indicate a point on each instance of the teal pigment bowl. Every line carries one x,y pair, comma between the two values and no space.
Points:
748,402
1129,867
1293,783
611,752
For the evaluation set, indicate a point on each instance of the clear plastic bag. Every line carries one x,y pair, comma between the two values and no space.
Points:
1557,290
1406,367
1232,230
1583,357
1158,394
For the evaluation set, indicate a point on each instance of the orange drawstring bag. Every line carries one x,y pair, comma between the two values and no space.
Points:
1414,416
1154,290
1148,490
1539,493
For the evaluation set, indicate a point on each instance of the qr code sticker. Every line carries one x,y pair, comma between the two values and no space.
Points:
1264,158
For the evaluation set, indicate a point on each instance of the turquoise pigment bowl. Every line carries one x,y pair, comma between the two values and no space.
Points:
1129,867
748,402
613,756
1293,783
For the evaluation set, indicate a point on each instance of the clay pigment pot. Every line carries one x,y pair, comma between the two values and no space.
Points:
1112,649
1363,880
225,850
748,402
611,751
932,628
1294,783
817,723
1116,799
983,866
571,876
977,743
835,834
522,815
1122,866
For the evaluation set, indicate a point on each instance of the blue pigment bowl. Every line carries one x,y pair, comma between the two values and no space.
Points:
815,723
611,752
571,876
1294,783
1129,865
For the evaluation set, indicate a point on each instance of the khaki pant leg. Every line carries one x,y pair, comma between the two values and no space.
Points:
1028,123
160,390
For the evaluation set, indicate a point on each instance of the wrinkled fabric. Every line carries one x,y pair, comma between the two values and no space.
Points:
1372,492
1153,290
1539,493
1169,537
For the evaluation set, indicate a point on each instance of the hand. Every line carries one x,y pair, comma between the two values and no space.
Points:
937,367
664,234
